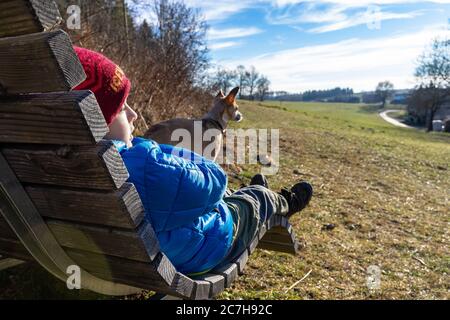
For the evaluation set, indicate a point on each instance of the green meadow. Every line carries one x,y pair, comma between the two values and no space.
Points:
381,199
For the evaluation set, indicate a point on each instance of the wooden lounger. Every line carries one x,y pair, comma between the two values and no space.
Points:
64,195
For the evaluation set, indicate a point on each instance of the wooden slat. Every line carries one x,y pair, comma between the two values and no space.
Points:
277,237
241,262
270,223
262,231
183,285
39,62
280,237
217,283
280,234
18,17
229,272
253,245
56,118
99,167
122,208
140,245
201,290
157,276
279,247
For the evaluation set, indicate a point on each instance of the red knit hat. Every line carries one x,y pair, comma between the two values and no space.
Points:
106,80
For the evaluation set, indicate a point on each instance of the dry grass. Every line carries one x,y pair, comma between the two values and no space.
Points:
385,189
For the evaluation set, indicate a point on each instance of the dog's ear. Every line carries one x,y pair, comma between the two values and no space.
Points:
231,98
220,94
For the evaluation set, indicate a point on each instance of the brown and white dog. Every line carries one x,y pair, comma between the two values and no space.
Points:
203,136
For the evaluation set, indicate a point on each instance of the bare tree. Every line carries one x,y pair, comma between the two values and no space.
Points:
384,91
252,79
262,87
433,75
242,76
225,79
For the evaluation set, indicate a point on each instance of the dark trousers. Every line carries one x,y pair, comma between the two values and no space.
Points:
251,207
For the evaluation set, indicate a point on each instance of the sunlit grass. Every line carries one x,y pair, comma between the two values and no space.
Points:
385,188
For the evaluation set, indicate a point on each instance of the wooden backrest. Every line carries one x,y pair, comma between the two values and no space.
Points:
18,17
51,138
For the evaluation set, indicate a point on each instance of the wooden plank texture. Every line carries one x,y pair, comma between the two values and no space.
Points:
229,272
183,285
57,118
279,247
140,245
253,245
19,17
286,238
157,276
39,62
241,262
122,208
201,290
217,283
99,167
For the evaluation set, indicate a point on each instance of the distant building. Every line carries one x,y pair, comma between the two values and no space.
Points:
401,97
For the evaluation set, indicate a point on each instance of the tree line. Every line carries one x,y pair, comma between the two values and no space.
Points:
344,95
253,84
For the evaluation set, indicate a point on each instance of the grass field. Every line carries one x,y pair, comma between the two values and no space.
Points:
383,193
385,189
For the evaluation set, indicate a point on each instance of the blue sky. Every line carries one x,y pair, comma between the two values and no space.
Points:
303,45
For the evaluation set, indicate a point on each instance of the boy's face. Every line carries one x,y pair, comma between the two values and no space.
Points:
122,126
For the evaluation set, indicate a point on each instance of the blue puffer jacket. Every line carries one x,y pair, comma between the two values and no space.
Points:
183,202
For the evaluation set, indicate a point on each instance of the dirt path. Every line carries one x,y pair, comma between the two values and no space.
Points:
393,121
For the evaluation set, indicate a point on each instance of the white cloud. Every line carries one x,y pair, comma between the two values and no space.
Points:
232,33
223,45
221,10
355,63
330,15
334,16
362,18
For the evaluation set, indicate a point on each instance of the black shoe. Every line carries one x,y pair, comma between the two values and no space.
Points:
298,197
259,180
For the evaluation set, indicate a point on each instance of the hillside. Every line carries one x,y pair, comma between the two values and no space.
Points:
384,189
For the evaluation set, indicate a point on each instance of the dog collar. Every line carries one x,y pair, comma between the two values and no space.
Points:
217,123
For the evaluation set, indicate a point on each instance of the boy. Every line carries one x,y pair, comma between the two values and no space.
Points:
198,229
